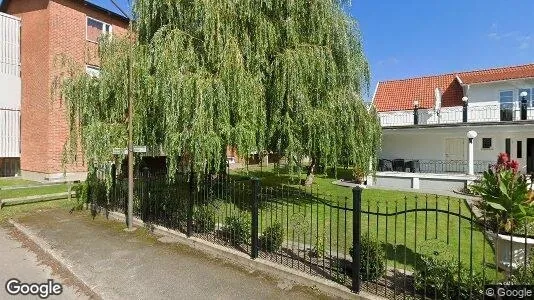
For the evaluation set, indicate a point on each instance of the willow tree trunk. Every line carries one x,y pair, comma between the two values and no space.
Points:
311,172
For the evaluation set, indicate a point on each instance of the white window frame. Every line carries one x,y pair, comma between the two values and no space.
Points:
104,24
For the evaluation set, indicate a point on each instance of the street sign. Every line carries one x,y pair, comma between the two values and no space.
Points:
139,149
119,151
136,149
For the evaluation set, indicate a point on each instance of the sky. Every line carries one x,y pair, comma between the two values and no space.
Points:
411,38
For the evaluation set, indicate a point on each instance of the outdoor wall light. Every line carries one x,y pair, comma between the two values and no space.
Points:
416,104
523,94
465,99
472,134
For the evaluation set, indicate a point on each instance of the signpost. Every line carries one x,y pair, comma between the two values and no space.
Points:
124,151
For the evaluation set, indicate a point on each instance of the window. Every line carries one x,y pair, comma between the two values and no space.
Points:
508,146
92,71
486,143
507,105
507,97
96,28
528,97
519,149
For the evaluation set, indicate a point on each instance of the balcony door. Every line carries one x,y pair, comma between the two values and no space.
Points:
454,155
507,105
530,156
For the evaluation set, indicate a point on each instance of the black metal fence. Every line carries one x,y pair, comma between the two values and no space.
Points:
421,247
432,166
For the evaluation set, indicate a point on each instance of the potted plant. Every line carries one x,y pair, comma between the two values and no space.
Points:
508,210
359,175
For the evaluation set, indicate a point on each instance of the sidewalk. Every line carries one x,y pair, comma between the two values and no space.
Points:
19,259
121,265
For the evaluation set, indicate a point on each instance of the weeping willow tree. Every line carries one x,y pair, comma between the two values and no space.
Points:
283,76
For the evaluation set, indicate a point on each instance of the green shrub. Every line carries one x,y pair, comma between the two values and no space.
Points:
237,228
439,274
372,262
82,195
525,273
204,219
272,238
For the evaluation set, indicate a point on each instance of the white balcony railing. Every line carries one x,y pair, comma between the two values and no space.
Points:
455,114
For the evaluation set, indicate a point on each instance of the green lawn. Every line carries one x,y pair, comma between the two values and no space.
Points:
17,211
13,181
311,222
38,190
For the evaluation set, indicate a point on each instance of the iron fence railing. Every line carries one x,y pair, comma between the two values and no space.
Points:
432,166
455,114
396,247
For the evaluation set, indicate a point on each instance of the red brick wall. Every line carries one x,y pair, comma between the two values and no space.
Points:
51,28
35,108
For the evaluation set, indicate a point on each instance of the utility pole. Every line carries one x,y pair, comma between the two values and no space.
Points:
130,145
130,126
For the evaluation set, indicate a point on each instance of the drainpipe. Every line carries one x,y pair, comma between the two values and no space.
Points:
471,135
416,112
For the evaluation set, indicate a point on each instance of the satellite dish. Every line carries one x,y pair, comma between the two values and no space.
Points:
437,95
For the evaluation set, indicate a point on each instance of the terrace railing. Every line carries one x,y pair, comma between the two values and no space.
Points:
424,247
455,115
432,166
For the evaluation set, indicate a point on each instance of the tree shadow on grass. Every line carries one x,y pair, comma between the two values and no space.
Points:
402,256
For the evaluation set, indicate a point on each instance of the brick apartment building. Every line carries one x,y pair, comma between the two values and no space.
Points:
49,29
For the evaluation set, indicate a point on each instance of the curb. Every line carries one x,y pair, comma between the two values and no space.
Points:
262,265
45,247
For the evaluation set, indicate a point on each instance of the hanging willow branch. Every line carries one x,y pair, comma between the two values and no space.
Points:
278,75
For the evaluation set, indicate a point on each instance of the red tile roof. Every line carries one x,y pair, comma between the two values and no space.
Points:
400,94
516,72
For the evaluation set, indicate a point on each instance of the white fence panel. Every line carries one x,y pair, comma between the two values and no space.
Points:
9,45
9,133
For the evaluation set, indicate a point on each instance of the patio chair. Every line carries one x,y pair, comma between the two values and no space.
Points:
414,166
398,165
385,165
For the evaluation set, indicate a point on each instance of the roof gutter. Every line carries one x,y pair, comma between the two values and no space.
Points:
3,8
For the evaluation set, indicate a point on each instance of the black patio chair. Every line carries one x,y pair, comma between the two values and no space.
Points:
414,166
385,165
398,165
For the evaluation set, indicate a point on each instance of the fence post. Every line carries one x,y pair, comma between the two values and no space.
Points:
254,228
192,187
356,236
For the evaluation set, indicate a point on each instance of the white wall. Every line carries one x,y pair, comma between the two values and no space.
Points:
429,143
10,86
10,92
489,93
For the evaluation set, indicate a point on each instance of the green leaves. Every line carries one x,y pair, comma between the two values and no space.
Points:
280,76
504,193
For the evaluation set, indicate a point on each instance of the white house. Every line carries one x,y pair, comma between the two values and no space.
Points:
10,95
425,123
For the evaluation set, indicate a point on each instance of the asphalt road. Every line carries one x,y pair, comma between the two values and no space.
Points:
18,260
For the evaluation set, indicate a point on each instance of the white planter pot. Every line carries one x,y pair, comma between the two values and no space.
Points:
510,250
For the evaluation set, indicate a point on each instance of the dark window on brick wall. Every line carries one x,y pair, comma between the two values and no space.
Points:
519,149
